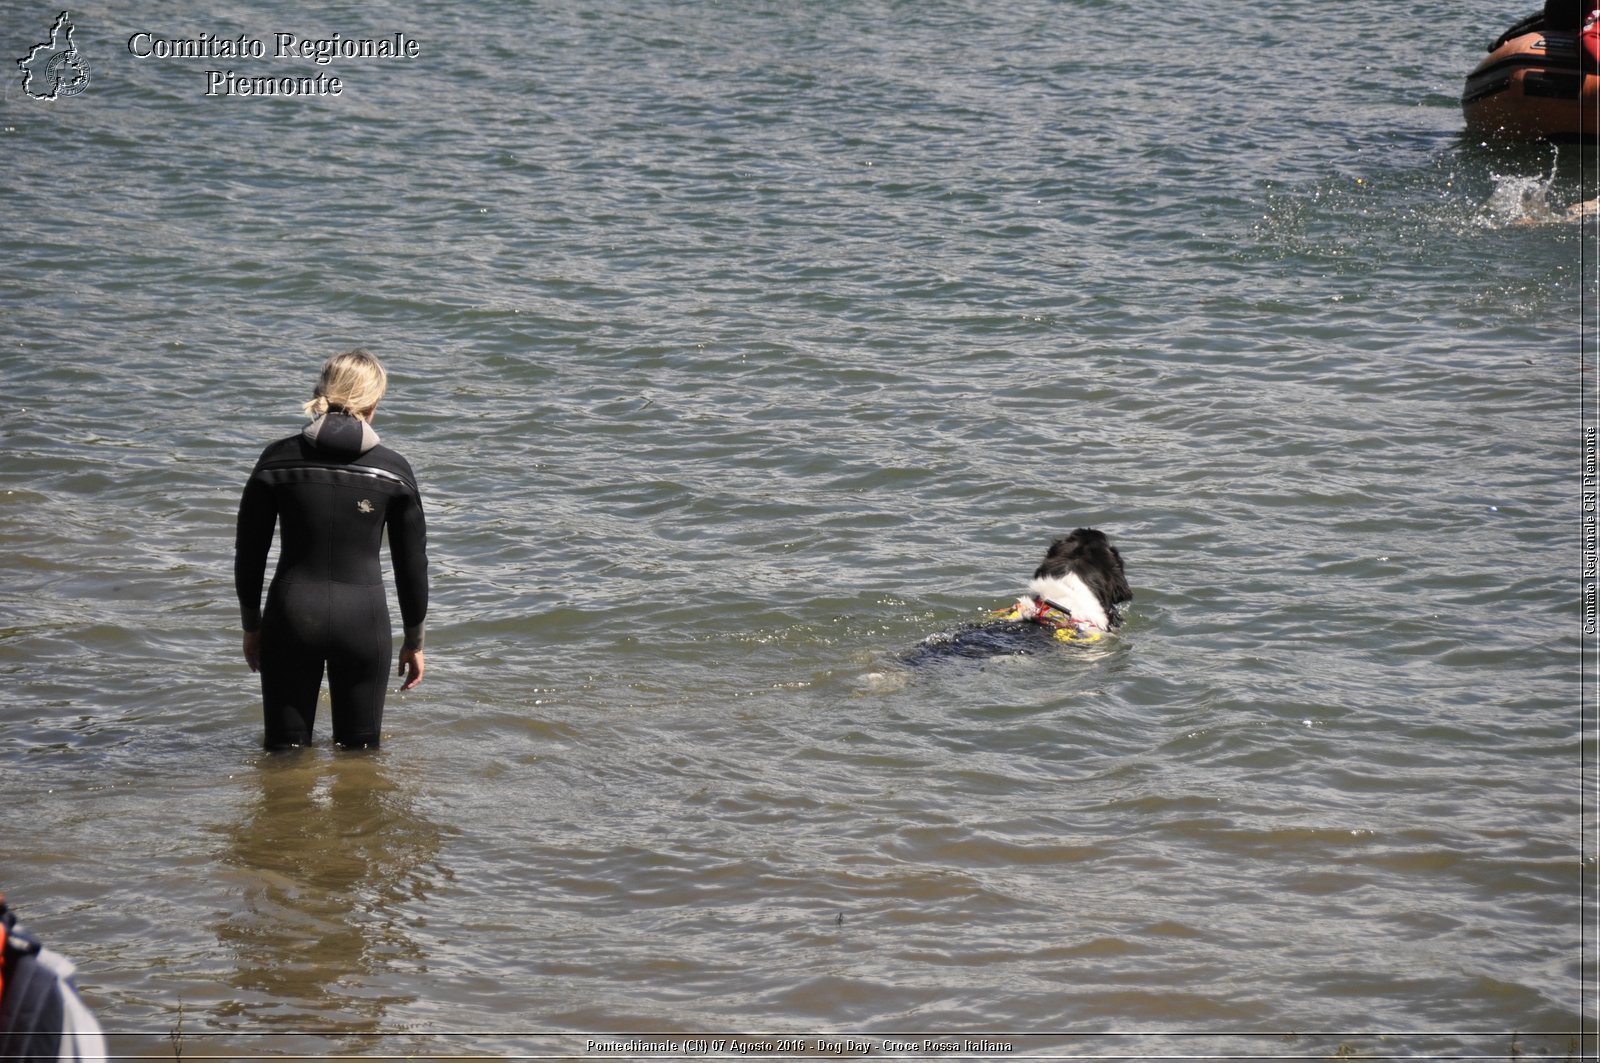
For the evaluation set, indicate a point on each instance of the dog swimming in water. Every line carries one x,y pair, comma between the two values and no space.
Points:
1076,596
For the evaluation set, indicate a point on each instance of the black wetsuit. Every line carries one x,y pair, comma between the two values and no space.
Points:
333,489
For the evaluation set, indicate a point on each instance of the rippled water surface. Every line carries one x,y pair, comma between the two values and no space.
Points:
739,347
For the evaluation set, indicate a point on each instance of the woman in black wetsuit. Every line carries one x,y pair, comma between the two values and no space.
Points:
333,489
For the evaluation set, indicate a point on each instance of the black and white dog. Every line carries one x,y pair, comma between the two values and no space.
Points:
1076,595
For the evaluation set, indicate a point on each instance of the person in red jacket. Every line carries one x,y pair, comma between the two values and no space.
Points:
41,1018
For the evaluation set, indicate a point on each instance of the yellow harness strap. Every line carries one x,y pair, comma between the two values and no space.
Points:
1041,612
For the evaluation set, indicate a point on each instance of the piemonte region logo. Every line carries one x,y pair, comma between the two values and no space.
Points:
55,68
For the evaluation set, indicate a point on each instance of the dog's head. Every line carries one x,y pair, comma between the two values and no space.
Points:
1083,572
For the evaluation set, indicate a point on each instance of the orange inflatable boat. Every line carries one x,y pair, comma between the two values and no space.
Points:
1535,84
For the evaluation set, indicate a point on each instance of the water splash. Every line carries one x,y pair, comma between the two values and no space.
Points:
1522,199
1519,199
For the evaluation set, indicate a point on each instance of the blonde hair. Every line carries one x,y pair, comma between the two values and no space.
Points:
352,382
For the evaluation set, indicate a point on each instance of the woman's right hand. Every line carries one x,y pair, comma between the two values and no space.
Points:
411,667
252,650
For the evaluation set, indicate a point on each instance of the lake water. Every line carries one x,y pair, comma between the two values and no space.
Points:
739,347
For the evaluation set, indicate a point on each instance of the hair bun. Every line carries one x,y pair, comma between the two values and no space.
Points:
353,382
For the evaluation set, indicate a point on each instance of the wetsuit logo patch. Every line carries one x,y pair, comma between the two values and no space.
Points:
364,506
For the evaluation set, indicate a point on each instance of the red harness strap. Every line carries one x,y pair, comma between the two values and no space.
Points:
2,950
1062,617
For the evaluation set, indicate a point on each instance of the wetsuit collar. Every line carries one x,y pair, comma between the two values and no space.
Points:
341,434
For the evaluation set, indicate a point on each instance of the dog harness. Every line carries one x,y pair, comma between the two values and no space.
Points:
1066,627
